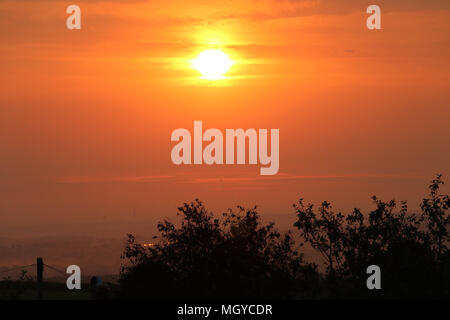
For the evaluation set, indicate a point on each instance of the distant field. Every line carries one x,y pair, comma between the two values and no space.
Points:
57,295
18,290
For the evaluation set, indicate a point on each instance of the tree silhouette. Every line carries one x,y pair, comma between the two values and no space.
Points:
437,219
410,249
237,256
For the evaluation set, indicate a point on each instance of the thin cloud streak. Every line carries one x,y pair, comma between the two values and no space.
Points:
97,179
187,178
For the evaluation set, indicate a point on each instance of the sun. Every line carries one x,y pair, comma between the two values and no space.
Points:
212,64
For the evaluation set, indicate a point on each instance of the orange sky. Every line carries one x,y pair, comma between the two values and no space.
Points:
86,115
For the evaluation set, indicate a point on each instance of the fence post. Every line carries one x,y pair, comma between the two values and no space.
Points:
40,272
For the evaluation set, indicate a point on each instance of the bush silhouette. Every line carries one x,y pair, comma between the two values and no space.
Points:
411,249
234,257
237,256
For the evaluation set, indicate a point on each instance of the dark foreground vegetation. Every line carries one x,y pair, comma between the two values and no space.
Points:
237,256
26,289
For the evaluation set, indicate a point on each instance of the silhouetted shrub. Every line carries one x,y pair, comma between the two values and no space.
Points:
239,257
234,257
411,249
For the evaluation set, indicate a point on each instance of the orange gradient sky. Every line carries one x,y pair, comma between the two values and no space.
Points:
86,115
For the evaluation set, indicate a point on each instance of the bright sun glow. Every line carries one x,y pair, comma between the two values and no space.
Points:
212,64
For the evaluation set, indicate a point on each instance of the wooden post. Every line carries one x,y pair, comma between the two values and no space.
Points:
40,273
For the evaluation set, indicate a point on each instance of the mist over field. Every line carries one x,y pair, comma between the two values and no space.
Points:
95,247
